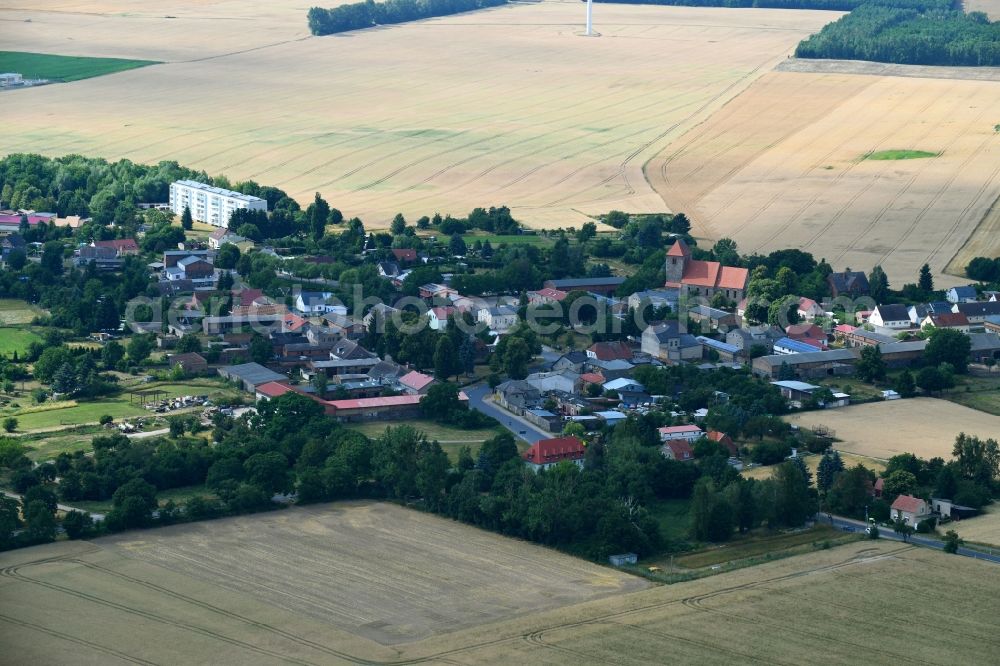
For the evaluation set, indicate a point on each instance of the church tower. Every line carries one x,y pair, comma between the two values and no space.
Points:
677,258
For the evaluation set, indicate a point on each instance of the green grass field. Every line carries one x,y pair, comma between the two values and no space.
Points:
451,439
982,393
14,311
178,495
64,68
89,412
16,340
899,155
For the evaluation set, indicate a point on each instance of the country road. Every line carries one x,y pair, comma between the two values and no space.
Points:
62,507
849,524
479,399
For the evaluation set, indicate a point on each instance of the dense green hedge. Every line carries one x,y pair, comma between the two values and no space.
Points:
367,14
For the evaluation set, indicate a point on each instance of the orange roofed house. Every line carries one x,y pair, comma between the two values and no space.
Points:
548,452
704,278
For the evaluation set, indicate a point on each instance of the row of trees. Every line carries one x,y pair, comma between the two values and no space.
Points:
358,15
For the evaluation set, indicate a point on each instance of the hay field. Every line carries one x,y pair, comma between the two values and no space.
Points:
984,528
925,427
501,106
379,571
85,603
781,166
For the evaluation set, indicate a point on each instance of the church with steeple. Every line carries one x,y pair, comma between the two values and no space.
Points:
703,278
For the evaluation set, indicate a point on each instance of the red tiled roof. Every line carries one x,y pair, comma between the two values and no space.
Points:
552,294
680,449
387,401
946,319
247,296
293,322
908,503
554,450
679,249
273,389
415,380
731,277
714,275
442,312
845,328
405,254
611,351
120,244
592,378
800,331
807,303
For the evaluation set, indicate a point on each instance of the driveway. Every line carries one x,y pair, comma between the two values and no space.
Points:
521,429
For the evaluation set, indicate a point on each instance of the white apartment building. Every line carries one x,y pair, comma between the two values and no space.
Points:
211,205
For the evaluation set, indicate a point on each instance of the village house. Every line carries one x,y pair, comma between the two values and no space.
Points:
848,283
560,380
890,319
859,337
546,296
689,433
434,290
546,453
438,317
811,334
715,318
787,346
572,360
977,312
516,395
416,383
500,318
222,236
809,309
388,269
623,384
610,351
316,303
745,338
725,352
911,509
725,441
655,298
703,278
191,363
678,449
963,294
404,255
666,342
954,320
920,311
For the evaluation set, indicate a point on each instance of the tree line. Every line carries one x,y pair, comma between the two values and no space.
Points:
358,15
914,36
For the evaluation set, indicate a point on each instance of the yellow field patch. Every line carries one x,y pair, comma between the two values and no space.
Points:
925,427
502,106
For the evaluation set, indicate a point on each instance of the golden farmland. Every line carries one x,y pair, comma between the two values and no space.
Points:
925,427
503,106
144,597
780,167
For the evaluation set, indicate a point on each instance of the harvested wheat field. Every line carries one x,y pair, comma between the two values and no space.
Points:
93,603
925,427
984,528
501,106
782,166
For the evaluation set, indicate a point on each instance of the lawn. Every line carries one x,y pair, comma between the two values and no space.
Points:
754,545
451,439
64,68
73,413
46,446
899,155
14,311
981,393
16,340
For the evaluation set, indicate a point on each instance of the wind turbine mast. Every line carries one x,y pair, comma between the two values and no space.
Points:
590,18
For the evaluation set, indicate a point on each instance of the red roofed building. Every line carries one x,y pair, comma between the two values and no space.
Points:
545,453
121,246
592,378
811,334
405,255
546,296
679,450
610,351
955,320
726,441
688,433
416,383
271,390
387,408
704,278
911,509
